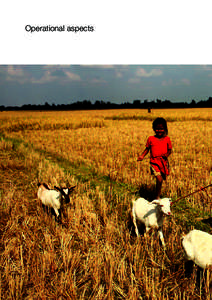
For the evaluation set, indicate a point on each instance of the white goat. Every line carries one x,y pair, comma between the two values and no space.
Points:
151,214
198,247
53,198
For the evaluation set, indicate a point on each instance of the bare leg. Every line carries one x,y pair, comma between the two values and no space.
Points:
159,181
160,232
134,221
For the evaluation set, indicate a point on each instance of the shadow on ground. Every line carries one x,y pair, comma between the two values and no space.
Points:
147,192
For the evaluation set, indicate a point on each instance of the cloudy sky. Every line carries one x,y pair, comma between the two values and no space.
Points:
63,84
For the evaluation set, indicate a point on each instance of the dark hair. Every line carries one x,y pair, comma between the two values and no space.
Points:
161,121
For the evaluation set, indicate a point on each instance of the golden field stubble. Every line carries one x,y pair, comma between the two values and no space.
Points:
93,256
84,260
113,149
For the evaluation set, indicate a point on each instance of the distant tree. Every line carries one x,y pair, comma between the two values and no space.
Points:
209,102
46,105
146,105
86,102
193,103
136,103
99,104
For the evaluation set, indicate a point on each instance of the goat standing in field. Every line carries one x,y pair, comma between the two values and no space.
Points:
53,198
198,247
151,214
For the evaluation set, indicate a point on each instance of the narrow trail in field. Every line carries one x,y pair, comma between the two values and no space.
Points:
82,172
15,172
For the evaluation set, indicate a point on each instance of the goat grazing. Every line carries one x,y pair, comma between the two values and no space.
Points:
198,247
53,198
151,214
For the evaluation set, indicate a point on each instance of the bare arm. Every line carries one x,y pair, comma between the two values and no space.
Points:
168,153
145,152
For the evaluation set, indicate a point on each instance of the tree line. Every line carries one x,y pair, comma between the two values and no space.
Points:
100,104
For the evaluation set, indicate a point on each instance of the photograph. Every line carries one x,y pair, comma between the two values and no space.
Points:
105,181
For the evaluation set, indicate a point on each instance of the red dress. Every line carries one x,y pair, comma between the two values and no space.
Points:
158,149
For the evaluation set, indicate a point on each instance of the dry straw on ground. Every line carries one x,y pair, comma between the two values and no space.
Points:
92,254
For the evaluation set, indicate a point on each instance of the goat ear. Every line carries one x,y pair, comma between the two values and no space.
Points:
46,186
57,188
71,189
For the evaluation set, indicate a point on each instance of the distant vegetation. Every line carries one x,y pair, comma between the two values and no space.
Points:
88,105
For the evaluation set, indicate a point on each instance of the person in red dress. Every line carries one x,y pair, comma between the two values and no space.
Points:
160,148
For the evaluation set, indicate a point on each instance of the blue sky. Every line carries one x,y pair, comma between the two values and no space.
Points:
63,84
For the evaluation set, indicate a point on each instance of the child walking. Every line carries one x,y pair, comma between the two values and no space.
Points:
160,148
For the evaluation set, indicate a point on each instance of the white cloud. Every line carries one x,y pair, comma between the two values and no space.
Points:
15,71
143,73
49,74
15,74
46,78
57,73
99,66
72,76
56,67
205,67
